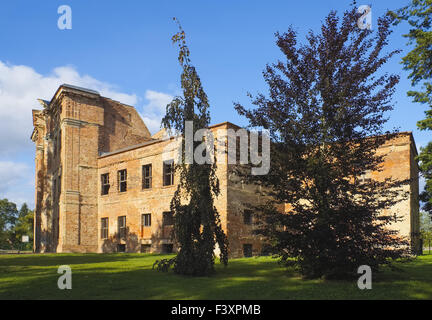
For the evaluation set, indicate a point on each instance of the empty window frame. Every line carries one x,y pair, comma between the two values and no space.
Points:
147,176
167,248
104,228
121,227
247,250
146,219
59,185
55,147
247,217
122,180
168,173
145,248
58,142
167,218
54,188
105,183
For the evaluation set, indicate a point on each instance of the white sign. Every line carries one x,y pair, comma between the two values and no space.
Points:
25,238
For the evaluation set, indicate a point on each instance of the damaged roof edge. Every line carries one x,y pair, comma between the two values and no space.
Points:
153,141
68,86
46,103
129,148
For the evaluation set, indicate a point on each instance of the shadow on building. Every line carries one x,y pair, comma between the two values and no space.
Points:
160,241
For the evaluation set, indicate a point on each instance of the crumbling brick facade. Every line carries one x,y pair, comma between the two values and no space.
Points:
101,181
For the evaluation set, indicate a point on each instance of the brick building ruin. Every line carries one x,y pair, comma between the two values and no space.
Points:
104,183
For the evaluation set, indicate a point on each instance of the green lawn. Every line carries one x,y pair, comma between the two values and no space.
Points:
130,276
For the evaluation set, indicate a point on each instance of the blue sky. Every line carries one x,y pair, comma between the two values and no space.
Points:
123,49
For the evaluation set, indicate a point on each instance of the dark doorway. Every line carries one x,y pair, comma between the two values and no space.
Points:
145,248
167,248
247,250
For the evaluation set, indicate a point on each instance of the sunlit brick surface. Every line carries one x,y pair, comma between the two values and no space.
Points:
99,136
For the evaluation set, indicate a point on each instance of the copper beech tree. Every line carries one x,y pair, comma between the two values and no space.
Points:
325,110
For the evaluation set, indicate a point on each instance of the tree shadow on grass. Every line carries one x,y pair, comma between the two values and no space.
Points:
59,259
249,278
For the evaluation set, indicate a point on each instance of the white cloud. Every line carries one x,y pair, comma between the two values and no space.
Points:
17,182
71,76
154,111
21,86
10,173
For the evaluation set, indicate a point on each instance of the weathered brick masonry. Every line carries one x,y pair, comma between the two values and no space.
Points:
83,138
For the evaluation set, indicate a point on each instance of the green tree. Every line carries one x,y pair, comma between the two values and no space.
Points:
419,61
8,218
24,227
197,226
426,229
325,111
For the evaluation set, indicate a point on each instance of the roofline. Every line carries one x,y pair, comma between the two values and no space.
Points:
69,86
130,148
411,138
47,104
150,142
413,141
224,123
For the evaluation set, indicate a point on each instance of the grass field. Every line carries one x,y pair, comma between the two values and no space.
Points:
130,276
